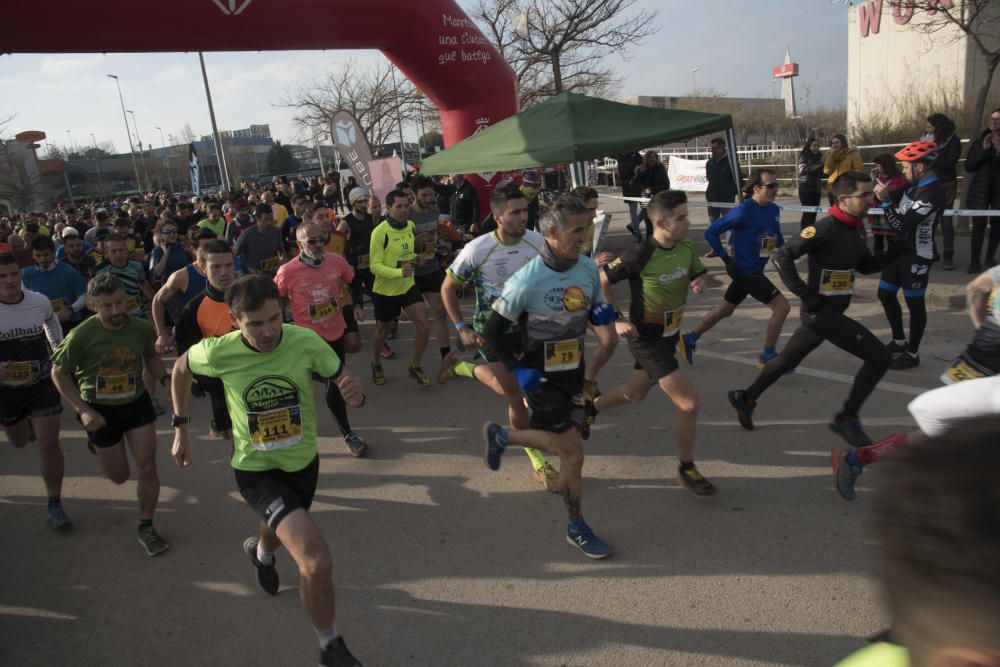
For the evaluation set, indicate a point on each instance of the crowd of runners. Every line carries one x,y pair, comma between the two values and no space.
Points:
254,300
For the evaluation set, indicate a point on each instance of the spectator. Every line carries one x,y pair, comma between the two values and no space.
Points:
464,205
840,159
810,169
982,163
530,185
886,171
719,172
649,178
627,163
941,130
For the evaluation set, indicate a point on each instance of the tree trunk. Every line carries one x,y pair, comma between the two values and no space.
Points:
556,72
979,106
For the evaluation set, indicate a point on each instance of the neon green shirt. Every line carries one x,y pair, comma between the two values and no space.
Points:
269,394
390,249
882,654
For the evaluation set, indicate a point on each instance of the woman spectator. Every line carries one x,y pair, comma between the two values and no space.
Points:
169,254
841,158
982,163
650,177
810,170
885,171
941,130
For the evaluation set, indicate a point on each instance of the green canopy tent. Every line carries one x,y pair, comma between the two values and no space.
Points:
569,128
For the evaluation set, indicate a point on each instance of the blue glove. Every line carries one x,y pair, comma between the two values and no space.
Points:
602,313
529,379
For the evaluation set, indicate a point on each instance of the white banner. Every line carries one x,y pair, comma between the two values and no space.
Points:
688,175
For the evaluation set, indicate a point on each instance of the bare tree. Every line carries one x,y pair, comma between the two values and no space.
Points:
570,37
368,93
979,22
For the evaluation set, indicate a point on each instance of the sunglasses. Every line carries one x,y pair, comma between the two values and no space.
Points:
770,186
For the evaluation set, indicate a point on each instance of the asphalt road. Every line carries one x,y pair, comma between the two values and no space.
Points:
440,561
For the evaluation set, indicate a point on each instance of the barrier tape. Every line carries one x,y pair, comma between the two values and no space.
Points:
813,209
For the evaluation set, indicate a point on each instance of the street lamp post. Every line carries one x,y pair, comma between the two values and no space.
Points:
170,176
219,151
128,132
142,158
97,159
694,81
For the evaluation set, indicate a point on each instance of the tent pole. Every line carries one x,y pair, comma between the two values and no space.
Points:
734,160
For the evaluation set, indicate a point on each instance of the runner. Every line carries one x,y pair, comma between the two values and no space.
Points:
313,284
261,245
552,298
98,370
487,263
29,404
392,260
427,271
982,357
214,221
267,368
837,249
756,232
179,289
659,273
336,244
74,252
914,223
65,289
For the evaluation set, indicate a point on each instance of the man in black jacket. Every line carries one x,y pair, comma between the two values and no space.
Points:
718,171
837,250
649,178
464,204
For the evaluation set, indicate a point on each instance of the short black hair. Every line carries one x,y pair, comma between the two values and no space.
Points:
262,209
500,197
584,192
43,242
847,182
422,182
104,284
7,258
757,180
251,293
394,195
717,141
665,201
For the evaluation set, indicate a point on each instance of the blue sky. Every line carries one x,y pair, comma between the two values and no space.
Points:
733,43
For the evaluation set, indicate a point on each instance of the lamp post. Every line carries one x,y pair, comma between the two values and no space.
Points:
219,152
128,132
170,176
142,158
694,80
97,159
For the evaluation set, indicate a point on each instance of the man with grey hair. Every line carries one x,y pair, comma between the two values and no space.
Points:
552,298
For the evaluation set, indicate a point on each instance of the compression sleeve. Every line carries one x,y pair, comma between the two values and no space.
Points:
53,329
494,331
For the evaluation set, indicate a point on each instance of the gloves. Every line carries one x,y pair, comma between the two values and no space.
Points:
602,313
731,266
529,379
811,302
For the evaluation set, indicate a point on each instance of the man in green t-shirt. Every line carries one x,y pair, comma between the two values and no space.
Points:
98,370
214,222
659,273
392,259
266,370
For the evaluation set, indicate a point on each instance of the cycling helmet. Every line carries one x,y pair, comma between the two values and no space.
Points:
918,150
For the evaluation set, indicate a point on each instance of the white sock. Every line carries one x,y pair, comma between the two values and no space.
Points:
265,557
326,637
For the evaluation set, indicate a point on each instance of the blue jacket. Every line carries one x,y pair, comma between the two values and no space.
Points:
756,233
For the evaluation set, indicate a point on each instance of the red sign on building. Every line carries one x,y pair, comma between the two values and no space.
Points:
786,70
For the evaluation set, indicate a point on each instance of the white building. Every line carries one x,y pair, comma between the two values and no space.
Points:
891,61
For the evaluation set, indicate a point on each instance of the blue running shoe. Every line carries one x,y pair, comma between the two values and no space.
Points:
495,438
687,344
57,516
582,537
844,474
764,358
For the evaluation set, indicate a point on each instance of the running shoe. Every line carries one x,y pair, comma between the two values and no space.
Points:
417,373
764,358
267,575
710,254
337,655
687,344
151,541
356,445
744,405
157,408
548,477
905,361
57,516
378,375
695,483
844,474
216,432
590,390
849,428
582,537
895,348
387,352
495,440
447,369
589,417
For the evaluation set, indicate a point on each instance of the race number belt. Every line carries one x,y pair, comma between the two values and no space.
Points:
767,246
563,355
322,311
270,265
672,321
275,429
363,261
836,282
963,369
115,387
22,372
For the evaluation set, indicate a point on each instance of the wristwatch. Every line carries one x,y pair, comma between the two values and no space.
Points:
179,421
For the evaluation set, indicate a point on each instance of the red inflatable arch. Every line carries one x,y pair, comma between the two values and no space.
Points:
432,42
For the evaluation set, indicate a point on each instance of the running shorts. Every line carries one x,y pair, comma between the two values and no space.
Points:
388,308
429,282
273,494
757,285
909,272
37,400
655,355
513,340
120,419
555,410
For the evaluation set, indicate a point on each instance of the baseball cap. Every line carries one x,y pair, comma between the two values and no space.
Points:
531,176
70,231
356,194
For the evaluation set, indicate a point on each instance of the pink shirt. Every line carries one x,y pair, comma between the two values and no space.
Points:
314,293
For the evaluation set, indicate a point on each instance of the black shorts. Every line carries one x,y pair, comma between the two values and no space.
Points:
757,285
388,308
555,410
909,272
655,356
273,494
120,419
513,340
352,324
37,400
430,282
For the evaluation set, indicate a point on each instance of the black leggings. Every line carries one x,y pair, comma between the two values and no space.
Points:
845,333
808,199
334,399
217,394
894,313
978,232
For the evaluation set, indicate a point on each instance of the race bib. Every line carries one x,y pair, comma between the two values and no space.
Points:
363,262
270,265
767,246
134,304
115,387
428,249
563,355
275,429
59,305
834,282
322,311
22,372
672,321
960,371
